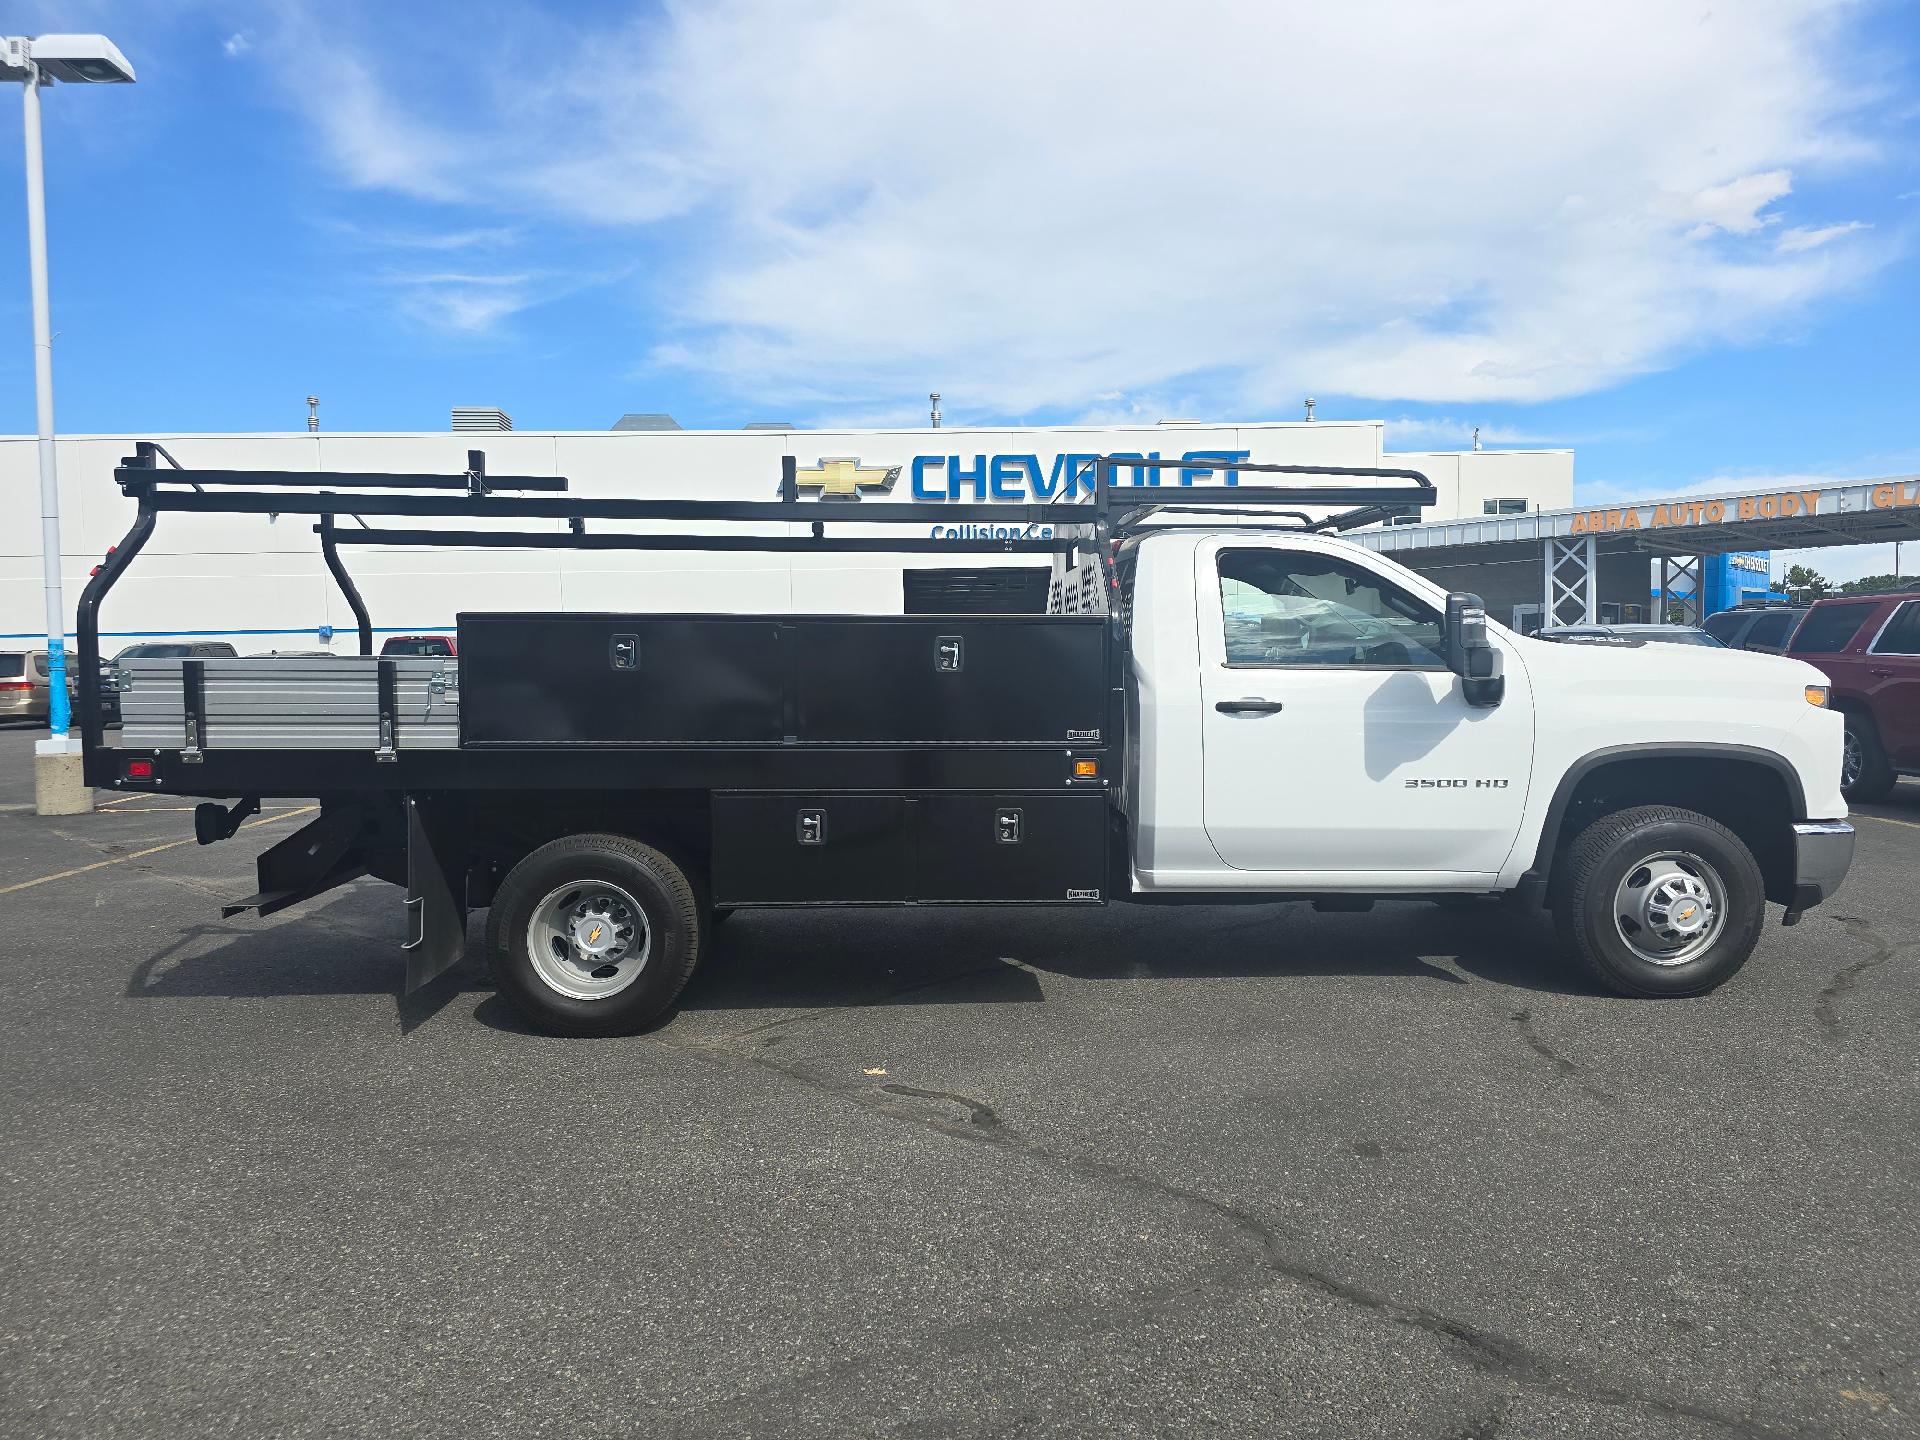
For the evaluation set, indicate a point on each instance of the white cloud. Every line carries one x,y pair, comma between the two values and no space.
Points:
467,304
1735,206
1031,206
1805,237
237,44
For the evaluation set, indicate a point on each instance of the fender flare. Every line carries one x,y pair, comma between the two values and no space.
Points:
1653,750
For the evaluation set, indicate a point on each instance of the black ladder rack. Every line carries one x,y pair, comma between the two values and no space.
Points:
1109,513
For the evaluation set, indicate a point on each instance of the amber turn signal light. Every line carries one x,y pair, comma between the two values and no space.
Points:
1817,695
1086,769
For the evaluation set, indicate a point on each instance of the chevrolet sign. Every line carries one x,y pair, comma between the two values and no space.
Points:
845,478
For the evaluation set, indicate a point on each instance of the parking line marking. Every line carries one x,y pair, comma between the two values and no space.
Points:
1888,820
142,854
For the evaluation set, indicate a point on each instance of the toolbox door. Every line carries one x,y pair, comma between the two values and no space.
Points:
949,680
619,680
1012,847
807,849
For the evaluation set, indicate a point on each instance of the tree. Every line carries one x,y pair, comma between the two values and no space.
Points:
1804,583
1876,584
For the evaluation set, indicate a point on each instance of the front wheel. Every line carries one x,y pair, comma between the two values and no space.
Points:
593,935
1659,901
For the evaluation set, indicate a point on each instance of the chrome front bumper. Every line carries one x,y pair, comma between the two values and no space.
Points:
1822,851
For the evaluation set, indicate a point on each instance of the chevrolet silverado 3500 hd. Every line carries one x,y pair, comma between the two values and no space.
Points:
1212,711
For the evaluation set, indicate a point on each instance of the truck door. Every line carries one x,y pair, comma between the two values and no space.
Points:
1337,744
1893,684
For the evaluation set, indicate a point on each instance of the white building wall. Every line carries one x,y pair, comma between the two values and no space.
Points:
261,583
1468,478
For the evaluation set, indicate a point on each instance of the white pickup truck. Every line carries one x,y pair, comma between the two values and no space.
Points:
1212,711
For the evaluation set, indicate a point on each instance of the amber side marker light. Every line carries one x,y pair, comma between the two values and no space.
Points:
1086,769
1817,695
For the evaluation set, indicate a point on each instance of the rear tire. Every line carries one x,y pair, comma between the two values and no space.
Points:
1659,901
1864,771
594,935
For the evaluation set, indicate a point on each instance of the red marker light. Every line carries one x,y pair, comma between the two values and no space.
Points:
139,769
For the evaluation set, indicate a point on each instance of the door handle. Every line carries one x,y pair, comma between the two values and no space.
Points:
1881,674
1248,707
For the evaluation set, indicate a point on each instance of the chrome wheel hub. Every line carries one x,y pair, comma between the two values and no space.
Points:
588,941
1670,908
1850,758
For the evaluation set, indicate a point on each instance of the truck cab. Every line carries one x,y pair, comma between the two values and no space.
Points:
1298,727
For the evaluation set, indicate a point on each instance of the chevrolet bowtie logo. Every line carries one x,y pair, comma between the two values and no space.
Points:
846,478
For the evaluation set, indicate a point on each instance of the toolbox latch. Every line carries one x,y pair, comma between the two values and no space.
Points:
623,652
949,654
1009,825
811,827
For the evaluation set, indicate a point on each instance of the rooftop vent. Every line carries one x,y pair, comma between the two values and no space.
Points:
633,421
474,417
768,425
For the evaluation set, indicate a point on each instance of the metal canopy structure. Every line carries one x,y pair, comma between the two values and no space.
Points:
1570,543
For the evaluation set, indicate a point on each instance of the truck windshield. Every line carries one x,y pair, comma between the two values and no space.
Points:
1290,608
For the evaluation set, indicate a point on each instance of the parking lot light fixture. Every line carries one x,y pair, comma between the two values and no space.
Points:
36,61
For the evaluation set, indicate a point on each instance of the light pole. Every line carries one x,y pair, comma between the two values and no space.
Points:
59,786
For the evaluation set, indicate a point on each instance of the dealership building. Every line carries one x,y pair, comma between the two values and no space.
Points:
259,581
1504,526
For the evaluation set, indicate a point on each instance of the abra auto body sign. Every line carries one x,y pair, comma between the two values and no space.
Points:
1762,505
1665,514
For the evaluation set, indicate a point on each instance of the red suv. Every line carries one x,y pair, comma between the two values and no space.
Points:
1869,645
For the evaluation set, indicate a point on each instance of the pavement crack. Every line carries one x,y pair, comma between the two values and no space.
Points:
1523,1019
978,1112
1264,1259
1826,1006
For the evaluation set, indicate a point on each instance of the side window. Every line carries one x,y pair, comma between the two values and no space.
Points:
1769,631
1902,635
1720,626
1504,505
40,666
1293,608
1829,629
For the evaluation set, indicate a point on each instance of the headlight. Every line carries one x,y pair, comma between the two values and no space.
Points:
1817,695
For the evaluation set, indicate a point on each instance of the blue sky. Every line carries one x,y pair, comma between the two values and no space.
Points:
1680,240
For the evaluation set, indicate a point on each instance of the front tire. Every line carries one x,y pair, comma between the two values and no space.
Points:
1659,901
594,935
1864,771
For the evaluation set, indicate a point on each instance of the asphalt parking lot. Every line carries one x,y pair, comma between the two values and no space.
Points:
1249,1171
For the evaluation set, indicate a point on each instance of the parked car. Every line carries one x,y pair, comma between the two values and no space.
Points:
1869,645
1627,635
1765,628
154,650
431,645
23,685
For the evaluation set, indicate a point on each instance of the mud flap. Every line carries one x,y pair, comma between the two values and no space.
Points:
436,887
319,855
